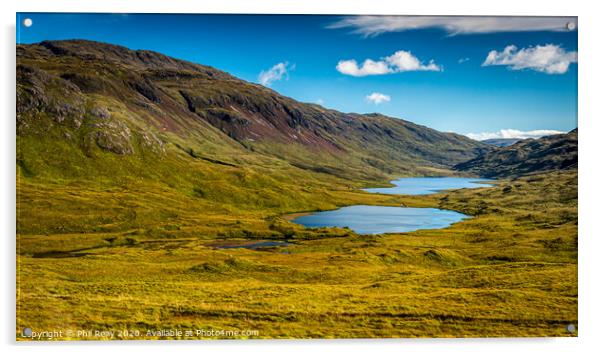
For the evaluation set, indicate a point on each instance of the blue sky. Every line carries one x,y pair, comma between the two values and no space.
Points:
503,76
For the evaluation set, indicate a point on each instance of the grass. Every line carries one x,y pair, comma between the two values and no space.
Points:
511,270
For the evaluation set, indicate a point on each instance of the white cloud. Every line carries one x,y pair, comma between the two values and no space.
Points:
513,134
463,60
320,101
400,61
549,58
275,73
454,25
369,67
378,98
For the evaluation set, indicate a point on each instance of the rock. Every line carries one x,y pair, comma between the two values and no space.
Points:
150,140
115,137
100,112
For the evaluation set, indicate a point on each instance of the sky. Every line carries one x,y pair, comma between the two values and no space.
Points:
485,77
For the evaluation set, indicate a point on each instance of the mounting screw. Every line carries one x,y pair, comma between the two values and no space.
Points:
571,26
571,328
27,332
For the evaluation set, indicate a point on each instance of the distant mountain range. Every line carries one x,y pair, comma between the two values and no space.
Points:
86,99
550,153
502,142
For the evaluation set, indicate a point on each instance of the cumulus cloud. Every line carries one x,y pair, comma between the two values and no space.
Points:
369,26
400,61
378,98
369,67
463,60
275,73
513,134
549,58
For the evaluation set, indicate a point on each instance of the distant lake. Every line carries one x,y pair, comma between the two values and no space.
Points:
430,185
371,219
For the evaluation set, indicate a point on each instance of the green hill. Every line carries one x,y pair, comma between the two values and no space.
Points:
85,98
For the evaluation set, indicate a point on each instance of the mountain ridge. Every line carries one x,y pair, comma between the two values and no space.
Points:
502,142
166,101
549,153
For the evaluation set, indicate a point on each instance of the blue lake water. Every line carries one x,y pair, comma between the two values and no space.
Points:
429,185
370,219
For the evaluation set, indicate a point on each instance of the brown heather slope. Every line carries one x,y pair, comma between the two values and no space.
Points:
124,101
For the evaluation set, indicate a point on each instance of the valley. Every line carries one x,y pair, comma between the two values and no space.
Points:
509,270
137,171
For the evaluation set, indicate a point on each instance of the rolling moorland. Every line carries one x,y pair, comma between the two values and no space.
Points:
133,168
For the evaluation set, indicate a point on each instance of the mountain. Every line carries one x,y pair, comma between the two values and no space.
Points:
95,103
550,153
502,142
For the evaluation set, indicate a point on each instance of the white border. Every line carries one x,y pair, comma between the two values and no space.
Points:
590,245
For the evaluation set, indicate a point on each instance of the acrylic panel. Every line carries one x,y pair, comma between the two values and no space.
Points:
206,176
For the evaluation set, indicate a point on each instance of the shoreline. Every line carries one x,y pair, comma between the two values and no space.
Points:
293,216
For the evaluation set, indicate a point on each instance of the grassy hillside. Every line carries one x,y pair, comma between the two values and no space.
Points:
94,97
550,153
93,117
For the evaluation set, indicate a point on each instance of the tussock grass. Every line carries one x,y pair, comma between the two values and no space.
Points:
510,270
